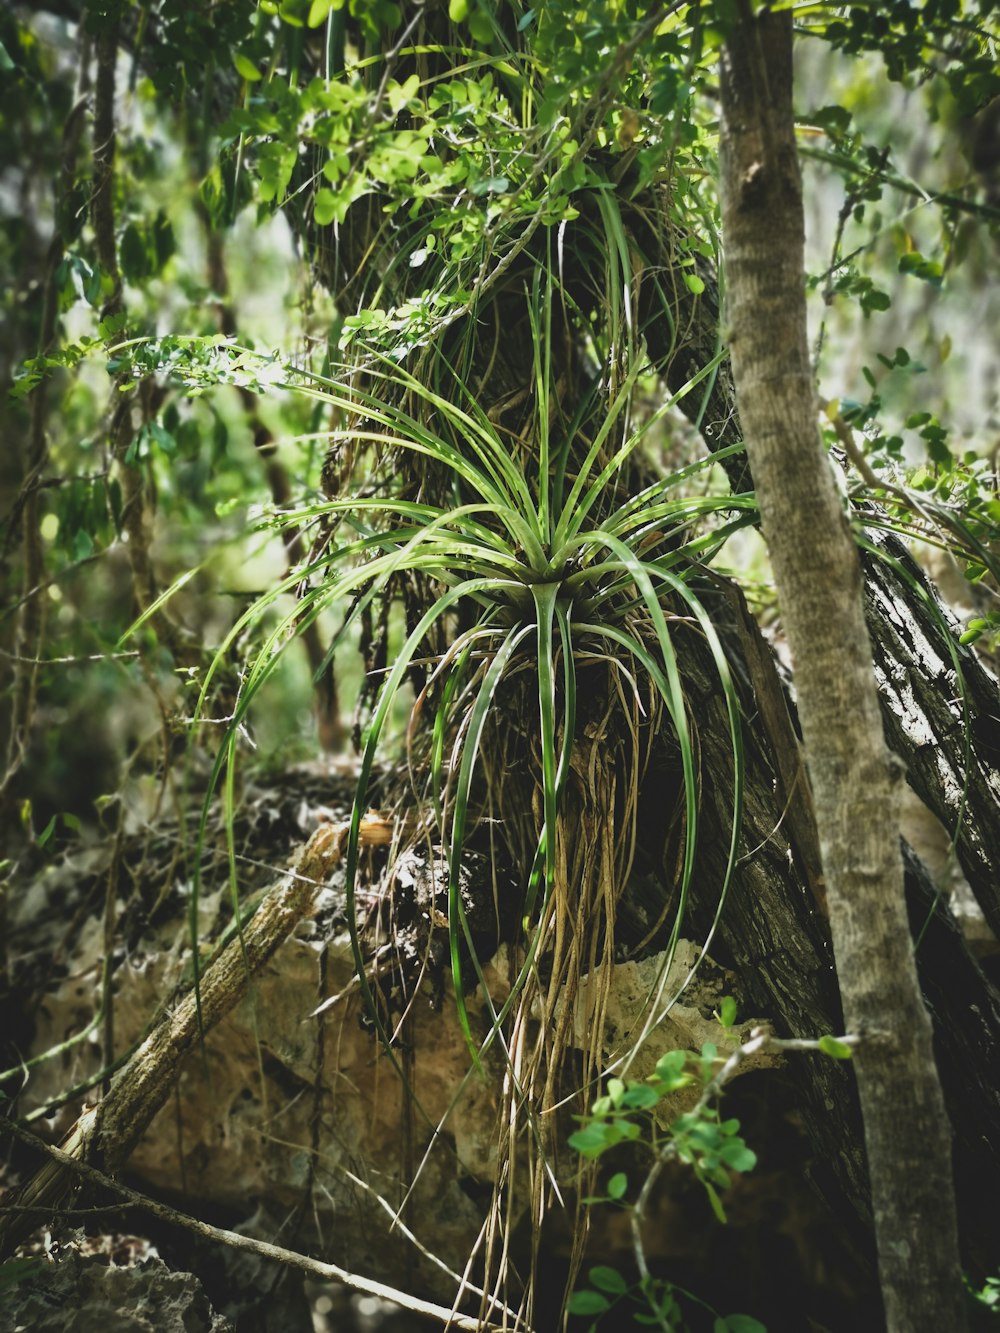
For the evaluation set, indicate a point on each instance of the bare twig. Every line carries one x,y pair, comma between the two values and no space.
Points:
66,1162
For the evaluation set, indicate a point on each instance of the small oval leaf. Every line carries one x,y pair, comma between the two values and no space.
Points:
617,1185
837,1050
587,1302
246,68
608,1279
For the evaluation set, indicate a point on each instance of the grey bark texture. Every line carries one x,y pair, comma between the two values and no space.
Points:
855,779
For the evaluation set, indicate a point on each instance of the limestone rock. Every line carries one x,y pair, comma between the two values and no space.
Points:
78,1295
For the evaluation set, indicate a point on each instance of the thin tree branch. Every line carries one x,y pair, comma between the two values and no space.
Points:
67,1162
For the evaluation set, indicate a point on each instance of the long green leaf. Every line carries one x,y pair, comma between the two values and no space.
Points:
458,927
578,505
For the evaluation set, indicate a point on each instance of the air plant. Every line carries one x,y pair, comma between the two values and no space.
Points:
532,567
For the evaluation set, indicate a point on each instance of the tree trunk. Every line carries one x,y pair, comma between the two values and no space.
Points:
854,777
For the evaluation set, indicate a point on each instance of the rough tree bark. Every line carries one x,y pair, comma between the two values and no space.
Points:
854,777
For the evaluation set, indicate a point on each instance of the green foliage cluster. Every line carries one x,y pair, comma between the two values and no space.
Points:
940,38
712,1147
989,1295
661,1304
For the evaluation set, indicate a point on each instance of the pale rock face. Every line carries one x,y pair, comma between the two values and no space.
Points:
77,1295
284,1103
